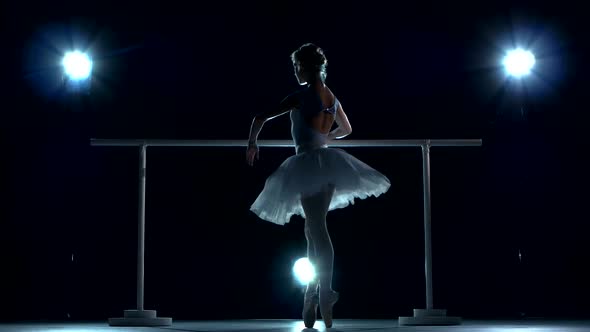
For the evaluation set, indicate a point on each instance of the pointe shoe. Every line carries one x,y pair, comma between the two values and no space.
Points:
310,308
327,301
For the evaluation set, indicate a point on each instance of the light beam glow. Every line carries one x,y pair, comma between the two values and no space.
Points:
77,65
518,62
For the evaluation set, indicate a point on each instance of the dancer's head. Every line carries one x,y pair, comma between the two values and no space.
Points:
309,63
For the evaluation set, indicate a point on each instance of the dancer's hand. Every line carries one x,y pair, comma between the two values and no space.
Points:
251,153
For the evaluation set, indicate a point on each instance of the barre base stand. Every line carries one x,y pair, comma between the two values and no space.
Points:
430,317
140,318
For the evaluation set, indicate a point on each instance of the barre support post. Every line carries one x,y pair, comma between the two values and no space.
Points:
141,317
428,316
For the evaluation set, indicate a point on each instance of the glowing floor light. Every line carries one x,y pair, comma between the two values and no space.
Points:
304,271
518,62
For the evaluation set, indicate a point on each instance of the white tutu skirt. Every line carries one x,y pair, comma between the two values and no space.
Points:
309,172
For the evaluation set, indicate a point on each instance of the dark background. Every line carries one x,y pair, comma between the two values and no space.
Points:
202,71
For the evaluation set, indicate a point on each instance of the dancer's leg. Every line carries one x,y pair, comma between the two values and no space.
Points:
321,254
312,287
316,210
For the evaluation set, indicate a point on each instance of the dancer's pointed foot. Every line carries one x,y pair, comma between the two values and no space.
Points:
327,301
310,308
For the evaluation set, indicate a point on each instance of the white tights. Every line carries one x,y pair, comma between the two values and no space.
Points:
319,246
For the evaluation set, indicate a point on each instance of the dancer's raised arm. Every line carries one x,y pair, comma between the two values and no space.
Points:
285,106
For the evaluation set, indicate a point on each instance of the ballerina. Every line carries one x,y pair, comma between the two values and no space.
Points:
317,179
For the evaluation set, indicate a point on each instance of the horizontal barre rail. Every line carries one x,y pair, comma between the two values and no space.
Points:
284,143
143,317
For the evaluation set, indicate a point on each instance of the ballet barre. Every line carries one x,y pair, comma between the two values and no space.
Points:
427,316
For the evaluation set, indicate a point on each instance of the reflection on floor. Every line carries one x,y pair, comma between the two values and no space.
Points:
285,325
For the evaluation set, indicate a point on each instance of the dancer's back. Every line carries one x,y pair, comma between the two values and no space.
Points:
311,121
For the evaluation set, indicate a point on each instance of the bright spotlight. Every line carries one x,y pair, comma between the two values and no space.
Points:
304,271
518,62
77,65
77,72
